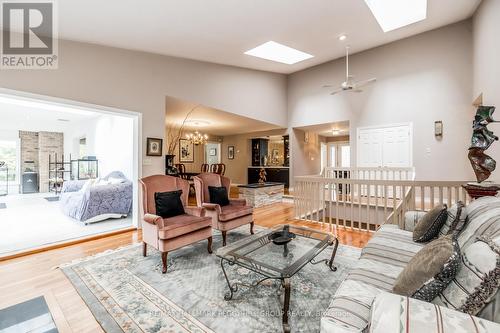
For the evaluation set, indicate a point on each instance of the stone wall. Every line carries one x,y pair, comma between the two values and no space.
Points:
29,150
50,143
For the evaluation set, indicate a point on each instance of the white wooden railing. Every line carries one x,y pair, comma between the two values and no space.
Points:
366,204
381,173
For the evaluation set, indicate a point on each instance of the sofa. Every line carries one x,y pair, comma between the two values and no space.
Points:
364,301
95,200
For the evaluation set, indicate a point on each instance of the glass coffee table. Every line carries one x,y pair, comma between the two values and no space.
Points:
277,261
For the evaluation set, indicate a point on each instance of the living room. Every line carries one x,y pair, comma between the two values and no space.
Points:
389,221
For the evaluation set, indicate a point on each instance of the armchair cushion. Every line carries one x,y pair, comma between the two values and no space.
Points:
212,206
169,204
218,195
154,220
195,211
238,202
394,314
181,225
231,212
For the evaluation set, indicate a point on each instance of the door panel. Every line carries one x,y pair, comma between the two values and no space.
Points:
385,147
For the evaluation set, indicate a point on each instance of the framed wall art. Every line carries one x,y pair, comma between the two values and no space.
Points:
186,151
154,147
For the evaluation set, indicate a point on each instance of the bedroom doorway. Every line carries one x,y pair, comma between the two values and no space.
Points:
62,160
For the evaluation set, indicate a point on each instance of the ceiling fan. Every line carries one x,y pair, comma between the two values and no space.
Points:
350,84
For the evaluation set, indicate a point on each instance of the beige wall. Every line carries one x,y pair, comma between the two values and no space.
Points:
420,79
306,158
140,82
237,169
486,27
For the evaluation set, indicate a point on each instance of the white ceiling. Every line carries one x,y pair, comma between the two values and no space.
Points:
17,115
341,128
219,123
220,31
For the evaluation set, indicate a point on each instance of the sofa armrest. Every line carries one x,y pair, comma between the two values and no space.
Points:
153,219
394,313
195,211
72,185
238,202
211,206
411,219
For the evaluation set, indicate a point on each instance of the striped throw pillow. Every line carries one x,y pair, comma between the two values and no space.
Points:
455,221
477,280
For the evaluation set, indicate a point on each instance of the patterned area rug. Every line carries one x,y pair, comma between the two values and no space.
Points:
127,292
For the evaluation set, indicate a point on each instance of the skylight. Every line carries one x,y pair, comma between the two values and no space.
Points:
394,14
278,52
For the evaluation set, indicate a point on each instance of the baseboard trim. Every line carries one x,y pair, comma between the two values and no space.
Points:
13,255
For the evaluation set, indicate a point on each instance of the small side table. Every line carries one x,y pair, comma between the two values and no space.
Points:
478,190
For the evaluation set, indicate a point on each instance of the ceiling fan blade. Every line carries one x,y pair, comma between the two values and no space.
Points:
365,82
327,86
336,91
356,90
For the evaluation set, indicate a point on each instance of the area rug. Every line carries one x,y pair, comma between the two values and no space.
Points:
126,292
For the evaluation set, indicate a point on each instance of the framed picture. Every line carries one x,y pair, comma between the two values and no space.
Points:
212,152
154,147
438,128
186,151
230,152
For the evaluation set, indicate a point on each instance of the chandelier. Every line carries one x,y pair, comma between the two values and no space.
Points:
197,138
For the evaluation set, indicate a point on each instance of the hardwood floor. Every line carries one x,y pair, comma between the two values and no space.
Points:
37,274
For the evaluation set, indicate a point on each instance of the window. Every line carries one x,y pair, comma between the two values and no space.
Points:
83,147
339,155
8,154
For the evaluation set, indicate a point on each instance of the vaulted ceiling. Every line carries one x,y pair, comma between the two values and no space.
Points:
220,31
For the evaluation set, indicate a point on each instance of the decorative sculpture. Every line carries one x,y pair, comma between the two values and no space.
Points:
482,138
482,164
262,176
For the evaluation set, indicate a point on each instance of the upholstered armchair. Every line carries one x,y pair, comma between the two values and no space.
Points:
168,234
224,218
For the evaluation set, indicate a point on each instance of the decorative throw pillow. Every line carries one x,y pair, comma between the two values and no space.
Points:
455,221
430,270
218,195
478,279
169,204
429,225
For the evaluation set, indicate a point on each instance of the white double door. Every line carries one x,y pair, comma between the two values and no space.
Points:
386,146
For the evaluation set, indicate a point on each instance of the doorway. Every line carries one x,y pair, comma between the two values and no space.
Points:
212,153
52,140
339,155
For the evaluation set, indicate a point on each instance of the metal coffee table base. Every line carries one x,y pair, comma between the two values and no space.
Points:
285,283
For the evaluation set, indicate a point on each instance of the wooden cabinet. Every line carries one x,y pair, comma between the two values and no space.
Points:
286,144
259,150
275,175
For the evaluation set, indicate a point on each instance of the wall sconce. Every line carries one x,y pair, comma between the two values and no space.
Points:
438,129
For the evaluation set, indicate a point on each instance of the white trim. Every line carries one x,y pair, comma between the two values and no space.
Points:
409,124
137,120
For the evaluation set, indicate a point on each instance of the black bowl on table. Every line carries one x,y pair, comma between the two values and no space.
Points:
281,237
